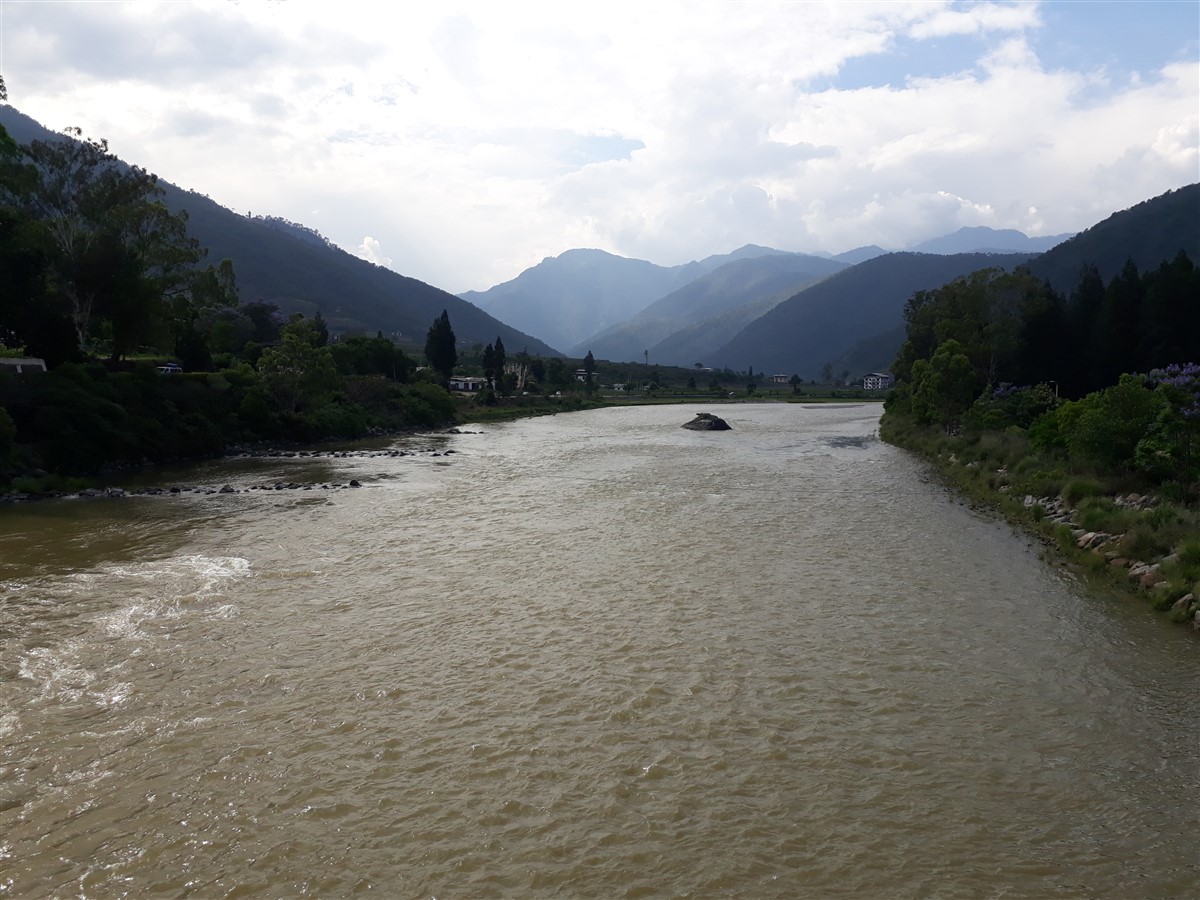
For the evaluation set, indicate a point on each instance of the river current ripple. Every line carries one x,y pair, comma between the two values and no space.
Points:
590,655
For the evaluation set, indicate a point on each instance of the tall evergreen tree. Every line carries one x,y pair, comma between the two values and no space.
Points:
499,362
1080,374
589,367
440,347
322,329
489,364
1118,326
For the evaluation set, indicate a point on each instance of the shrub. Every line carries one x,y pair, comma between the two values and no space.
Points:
1184,613
1112,422
1101,514
1003,448
1065,538
1079,488
1173,491
1163,515
1008,406
1187,565
1142,541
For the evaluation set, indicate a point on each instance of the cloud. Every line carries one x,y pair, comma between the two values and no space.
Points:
371,250
976,18
473,139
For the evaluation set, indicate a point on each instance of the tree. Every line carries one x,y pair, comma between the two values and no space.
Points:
556,372
440,347
499,362
524,369
298,370
1117,327
489,364
796,381
321,328
589,368
371,356
114,237
267,321
943,387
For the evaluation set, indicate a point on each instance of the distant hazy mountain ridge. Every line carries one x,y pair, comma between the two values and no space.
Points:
981,239
709,309
566,299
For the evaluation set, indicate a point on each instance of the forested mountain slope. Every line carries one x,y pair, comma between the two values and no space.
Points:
299,271
823,322
1153,231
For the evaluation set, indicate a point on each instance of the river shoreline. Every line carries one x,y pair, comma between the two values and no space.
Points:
1093,555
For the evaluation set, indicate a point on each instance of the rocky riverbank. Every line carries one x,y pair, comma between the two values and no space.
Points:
113,492
1109,550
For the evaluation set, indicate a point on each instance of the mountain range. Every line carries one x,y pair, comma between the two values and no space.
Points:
679,328
565,299
774,310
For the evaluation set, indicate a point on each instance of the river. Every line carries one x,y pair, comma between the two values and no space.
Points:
588,655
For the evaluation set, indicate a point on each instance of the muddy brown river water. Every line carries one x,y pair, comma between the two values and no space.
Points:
590,655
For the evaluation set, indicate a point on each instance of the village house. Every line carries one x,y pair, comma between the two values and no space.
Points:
471,383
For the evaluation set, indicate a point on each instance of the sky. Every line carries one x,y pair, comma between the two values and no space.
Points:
461,143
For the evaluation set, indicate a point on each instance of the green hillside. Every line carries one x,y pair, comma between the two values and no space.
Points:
1153,231
299,271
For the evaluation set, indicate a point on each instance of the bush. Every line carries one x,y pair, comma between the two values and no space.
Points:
1009,406
1111,423
1079,488
1187,565
1102,514
1065,538
1163,515
1002,448
1042,484
1145,542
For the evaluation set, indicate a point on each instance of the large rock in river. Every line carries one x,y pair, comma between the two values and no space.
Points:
707,422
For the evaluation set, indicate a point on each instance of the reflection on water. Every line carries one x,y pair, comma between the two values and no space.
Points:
587,655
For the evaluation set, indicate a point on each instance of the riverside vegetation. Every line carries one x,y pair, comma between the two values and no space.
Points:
1028,402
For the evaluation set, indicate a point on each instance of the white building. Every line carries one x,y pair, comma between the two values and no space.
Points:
24,364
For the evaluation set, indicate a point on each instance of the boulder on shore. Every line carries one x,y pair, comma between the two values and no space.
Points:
707,422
